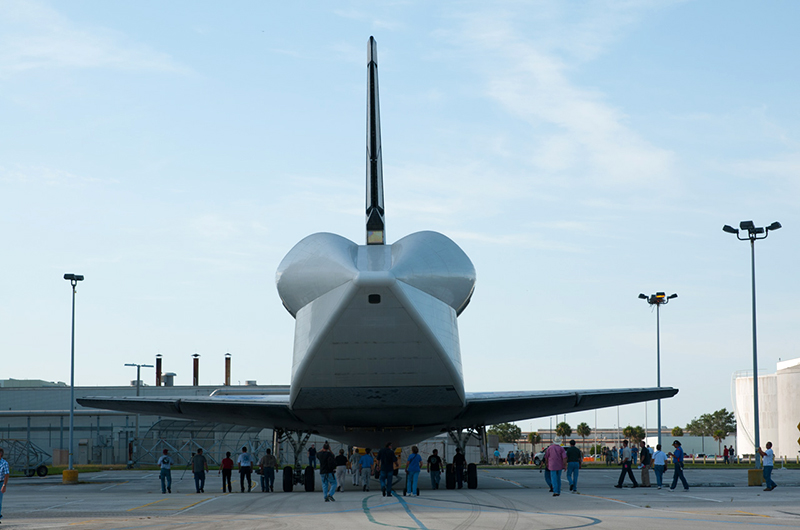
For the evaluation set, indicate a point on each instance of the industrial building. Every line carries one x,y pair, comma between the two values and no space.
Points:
778,406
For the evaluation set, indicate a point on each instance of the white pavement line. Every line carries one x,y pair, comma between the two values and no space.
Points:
148,476
196,505
113,486
701,498
56,506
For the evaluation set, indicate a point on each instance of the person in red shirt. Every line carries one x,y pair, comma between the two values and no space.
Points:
227,471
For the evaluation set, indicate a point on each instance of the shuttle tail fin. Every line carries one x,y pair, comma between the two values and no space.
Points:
376,225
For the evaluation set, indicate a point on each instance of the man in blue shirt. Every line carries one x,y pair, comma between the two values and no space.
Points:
677,460
367,465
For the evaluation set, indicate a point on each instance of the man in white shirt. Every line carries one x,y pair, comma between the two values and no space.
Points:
165,461
659,464
4,473
245,462
768,462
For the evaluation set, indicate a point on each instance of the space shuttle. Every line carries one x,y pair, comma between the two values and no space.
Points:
377,356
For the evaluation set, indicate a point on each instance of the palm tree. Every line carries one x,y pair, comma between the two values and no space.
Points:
534,438
583,431
719,435
563,430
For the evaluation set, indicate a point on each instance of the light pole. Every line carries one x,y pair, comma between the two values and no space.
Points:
753,232
73,280
658,300
138,380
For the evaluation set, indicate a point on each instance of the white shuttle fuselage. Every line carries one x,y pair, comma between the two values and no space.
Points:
376,336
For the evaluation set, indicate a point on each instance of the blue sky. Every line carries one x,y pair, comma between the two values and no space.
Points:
580,153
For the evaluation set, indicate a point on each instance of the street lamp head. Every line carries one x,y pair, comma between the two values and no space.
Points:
774,226
660,295
747,225
729,229
673,295
643,296
73,277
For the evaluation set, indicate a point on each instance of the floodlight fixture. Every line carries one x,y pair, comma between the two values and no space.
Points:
730,229
746,225
643,296
774,226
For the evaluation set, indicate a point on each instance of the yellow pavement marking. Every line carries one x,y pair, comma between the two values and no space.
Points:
148,504
756,514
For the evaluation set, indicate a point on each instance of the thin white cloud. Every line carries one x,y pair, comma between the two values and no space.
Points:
529,75
47,176
35,36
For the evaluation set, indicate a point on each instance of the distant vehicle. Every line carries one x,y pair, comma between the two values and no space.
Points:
538,458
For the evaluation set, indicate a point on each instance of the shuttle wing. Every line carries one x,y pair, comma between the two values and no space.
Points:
489,408
254,411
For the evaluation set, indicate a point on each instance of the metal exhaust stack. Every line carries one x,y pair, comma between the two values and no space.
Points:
158,369
227,369
196,370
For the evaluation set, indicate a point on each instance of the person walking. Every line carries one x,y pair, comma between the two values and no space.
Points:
341,469
268,464
165,462
626,466
725,454
496,457
413,467
574,462
327,472
434,467
556,458
677,462
353,463
647,463
366,465
614,454
312,456
659,465
732,454
510,458
245,462
459,463
768,463
227,471
386,459
199,468
4,474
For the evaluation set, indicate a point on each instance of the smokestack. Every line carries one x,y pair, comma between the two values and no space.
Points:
196,371
227,369
169,379
158,369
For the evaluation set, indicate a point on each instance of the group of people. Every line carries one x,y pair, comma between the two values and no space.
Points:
513,458
569,459
385,464
267,466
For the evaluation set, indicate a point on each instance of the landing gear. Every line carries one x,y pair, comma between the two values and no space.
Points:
295,475
460,437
